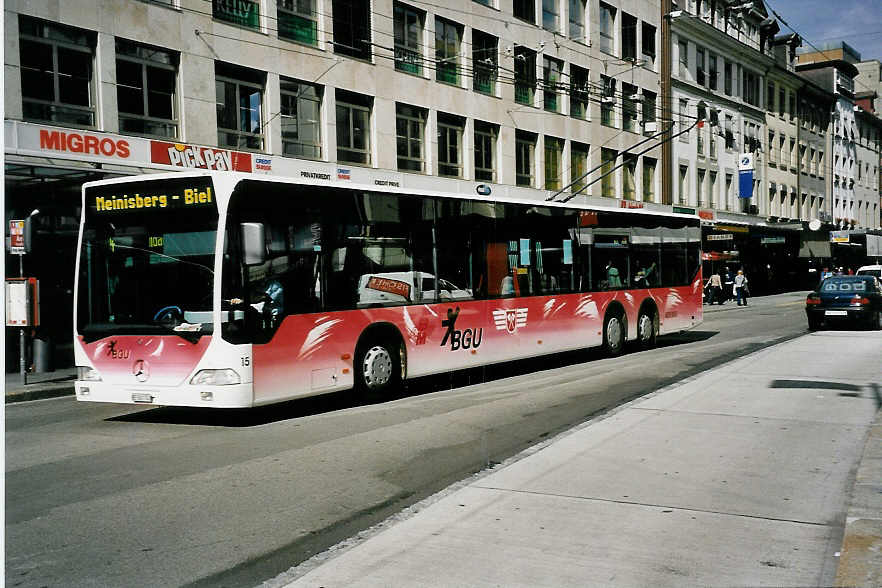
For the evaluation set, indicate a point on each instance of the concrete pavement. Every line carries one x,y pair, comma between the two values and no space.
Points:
746,475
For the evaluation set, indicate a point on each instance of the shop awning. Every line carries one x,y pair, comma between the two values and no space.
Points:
814,247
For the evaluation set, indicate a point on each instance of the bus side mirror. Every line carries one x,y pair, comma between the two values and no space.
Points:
253,243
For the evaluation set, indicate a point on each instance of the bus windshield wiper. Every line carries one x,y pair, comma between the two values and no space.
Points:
172,257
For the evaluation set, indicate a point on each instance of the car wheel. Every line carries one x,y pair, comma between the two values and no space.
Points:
646,331
613,334
873,323
377,368
814,323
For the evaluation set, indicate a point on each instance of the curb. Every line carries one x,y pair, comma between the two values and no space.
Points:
860,562
45,391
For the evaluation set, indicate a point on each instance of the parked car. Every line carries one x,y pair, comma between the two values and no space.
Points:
846,300
870,270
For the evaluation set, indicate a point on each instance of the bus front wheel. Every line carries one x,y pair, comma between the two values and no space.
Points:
613,334
378,368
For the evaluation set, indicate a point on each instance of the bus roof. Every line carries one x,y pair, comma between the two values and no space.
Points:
404,190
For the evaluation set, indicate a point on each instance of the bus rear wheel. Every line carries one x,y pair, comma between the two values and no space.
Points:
378,368
646,332
613,334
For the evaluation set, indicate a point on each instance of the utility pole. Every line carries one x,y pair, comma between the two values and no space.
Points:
667,153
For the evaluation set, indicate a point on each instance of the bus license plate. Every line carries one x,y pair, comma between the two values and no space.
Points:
836,313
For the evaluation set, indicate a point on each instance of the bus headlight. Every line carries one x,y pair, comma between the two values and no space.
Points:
222,377
88,374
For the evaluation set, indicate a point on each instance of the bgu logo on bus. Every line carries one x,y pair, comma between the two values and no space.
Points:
465,339
196,157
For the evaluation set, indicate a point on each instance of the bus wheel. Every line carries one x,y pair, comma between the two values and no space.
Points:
613,334
377,368
646,330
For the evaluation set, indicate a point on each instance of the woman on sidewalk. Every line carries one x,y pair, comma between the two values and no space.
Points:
741,288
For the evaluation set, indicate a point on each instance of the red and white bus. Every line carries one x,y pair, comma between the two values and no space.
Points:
220,289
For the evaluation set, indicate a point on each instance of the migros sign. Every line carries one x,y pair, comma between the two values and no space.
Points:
85,143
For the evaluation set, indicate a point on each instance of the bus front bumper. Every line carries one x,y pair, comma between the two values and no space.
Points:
231,396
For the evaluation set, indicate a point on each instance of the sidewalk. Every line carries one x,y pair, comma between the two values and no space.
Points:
40,385
739,477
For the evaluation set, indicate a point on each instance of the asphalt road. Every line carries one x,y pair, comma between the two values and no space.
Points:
112,495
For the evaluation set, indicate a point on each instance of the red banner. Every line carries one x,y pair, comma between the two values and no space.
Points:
198,157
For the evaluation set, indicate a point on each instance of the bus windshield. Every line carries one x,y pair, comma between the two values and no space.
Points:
147,259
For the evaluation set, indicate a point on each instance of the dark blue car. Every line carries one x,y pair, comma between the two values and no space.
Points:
845,300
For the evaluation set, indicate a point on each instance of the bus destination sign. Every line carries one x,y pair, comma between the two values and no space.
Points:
185,197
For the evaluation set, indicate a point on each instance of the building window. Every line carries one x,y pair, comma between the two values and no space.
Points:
450,129
484,61
607,29
649,110
649,179
702,188
648,42
751,88
410,131
629,37
245,13
447,38
577,20
683,50
525,146
578,166
608,101
699,66
550,79
525,75
525,10
729,131
770,97
608,175
771,148
712,190
146,79
699,131
550,15
408,24
352,28
629,179
727,78
683,185
353,114
56,73
579,92
553,163
629,108
485,151
792,105
300,114
239,99
712,71
684,119
298,21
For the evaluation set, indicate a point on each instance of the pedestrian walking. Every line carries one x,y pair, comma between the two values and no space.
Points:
740,288
728,286
715,289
